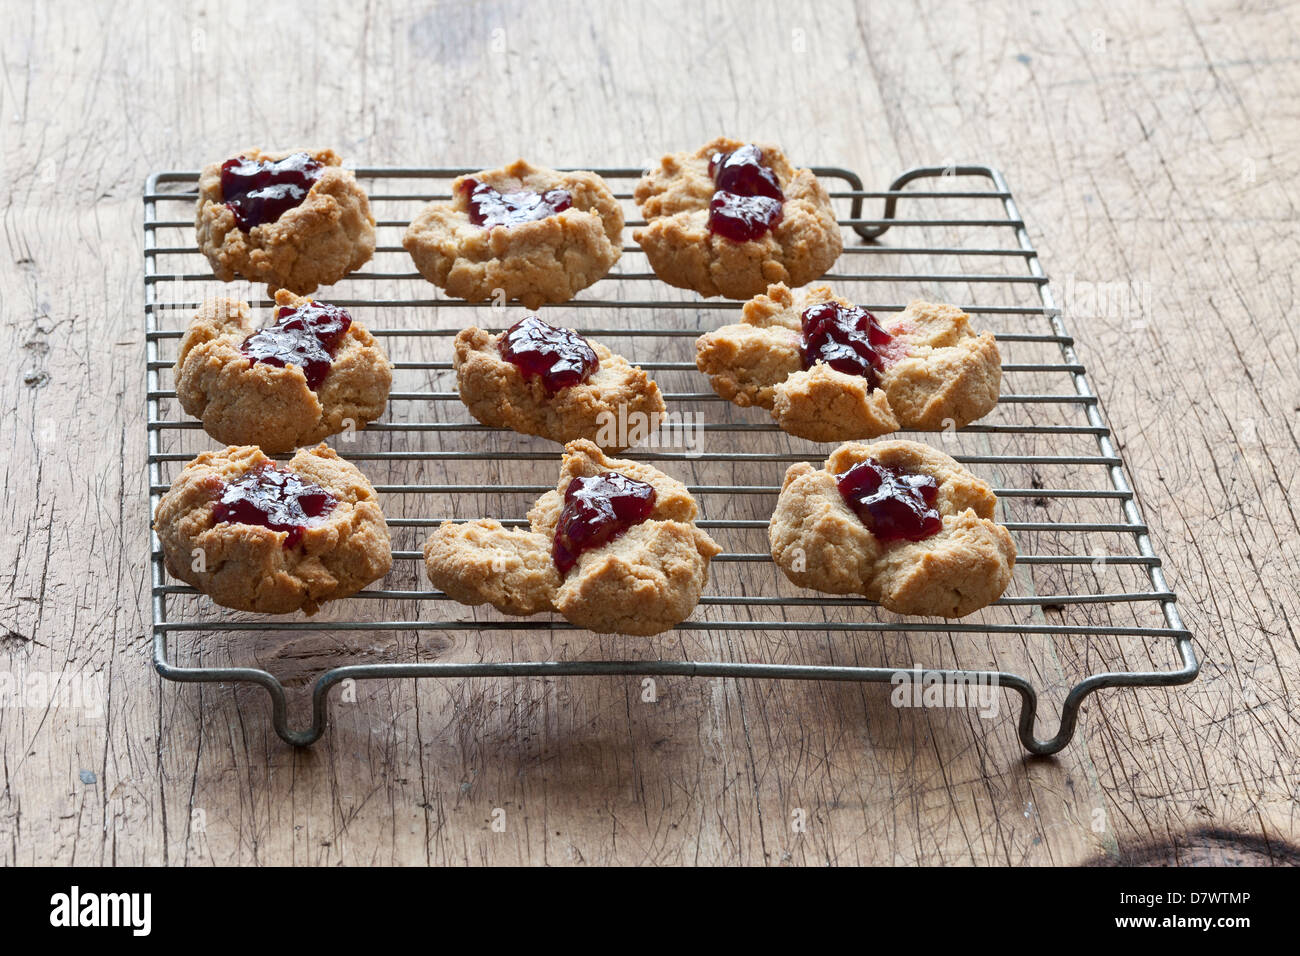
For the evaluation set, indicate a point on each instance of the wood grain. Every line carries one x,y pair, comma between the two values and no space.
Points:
1155,147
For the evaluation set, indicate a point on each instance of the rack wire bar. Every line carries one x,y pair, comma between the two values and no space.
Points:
1024,446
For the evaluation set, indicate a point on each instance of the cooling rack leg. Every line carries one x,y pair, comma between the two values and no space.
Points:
1070,709
1029,714
1066,727
242,675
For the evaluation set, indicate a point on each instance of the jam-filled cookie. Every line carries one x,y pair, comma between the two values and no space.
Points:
731,218
312,373
257,536
537,379
614,548
896,521
829,370
522,232
294,220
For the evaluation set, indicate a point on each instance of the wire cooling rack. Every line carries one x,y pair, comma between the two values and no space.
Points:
1088,589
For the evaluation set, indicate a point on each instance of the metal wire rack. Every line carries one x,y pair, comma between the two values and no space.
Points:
1088,590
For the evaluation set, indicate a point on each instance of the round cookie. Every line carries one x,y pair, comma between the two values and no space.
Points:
616,407
938,373
255,567
242,402
329,234
547,259
674,198
644,581
820,542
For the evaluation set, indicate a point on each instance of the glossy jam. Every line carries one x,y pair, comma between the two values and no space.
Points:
559,357
894,505
742,171
307,336
489,208
847,338
742,218
258,191
748,201
596,511
273,498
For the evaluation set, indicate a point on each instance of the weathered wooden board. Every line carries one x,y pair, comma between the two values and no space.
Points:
1155,148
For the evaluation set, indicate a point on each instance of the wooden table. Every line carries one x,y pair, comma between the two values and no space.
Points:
1153,147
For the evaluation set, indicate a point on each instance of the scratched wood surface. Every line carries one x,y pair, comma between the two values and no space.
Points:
1150,148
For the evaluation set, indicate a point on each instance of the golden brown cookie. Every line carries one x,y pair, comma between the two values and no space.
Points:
646,579
279,406
937,373
256,536
684,251
615,406
318,241
573,242
961,562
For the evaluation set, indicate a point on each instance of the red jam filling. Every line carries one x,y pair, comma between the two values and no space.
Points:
489,208
273,498
847,338
742,171
258,191
894,505
596,511
306,336
748,199
559,357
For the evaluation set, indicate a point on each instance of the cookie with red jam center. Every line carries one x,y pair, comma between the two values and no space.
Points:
613,548
731,218
830,370
526,233
897,522
255,535
295,220
541,379
314,371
